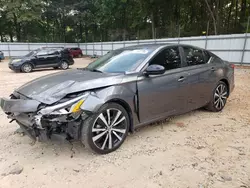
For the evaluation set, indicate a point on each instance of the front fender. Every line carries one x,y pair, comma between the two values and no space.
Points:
123,93
101,96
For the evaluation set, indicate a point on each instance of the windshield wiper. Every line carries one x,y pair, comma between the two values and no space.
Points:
95,70
92,70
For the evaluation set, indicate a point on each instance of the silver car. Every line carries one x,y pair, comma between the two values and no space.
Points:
119,92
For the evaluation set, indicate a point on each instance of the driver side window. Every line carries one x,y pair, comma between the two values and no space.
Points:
42,53
168,58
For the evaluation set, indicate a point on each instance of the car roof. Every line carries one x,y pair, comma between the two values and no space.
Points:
47,47
156,46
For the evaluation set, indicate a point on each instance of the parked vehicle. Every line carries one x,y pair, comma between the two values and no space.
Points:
1,56
76,52
42,58
119,92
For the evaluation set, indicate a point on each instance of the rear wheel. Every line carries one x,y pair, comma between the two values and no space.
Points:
105,131
64,65
219,99
26,68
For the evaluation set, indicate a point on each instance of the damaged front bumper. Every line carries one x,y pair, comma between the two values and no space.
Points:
40,122
19,105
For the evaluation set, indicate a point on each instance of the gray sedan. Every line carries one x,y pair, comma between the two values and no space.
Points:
119,92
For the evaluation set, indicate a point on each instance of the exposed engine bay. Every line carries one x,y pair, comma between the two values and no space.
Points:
63,118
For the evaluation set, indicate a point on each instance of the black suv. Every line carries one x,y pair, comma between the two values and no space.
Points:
42,58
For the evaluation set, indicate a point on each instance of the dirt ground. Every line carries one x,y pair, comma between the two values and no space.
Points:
196,150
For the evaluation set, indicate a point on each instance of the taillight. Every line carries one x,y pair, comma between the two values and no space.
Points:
232,66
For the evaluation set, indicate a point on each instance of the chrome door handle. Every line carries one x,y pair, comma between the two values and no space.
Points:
212,69
181,79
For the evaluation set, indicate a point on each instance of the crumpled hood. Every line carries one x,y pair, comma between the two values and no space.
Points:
51,88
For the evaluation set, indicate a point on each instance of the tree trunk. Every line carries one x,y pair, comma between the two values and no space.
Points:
10,31
86,32
229,16
17,28
236,14
138,34
213,17
47,36
124,16
124,34
243,10
1,35
192,12
217,17
64,29
153,25
80,31
53,32
177,17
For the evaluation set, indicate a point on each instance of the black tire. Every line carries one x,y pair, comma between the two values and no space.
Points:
27,68
64,65
219,97
99,141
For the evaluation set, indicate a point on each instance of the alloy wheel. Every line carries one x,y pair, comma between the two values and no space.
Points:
109,129
64,65
27,68
220,96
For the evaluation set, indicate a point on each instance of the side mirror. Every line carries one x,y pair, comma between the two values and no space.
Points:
155,70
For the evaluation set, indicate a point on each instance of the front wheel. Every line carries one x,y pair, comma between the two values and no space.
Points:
26,68
105,131
219,99
64,65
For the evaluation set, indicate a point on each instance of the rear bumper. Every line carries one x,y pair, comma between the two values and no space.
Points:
71,62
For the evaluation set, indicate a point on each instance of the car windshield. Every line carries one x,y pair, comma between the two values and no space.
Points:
120,61
32,53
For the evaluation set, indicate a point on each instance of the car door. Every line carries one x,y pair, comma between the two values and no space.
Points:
41,59
163,95
201,76
53,58
47,58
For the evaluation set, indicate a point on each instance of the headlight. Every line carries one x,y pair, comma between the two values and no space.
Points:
16,60
76,107
71,106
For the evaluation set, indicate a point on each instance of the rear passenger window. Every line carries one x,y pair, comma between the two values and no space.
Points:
168,58
194,56
53,52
